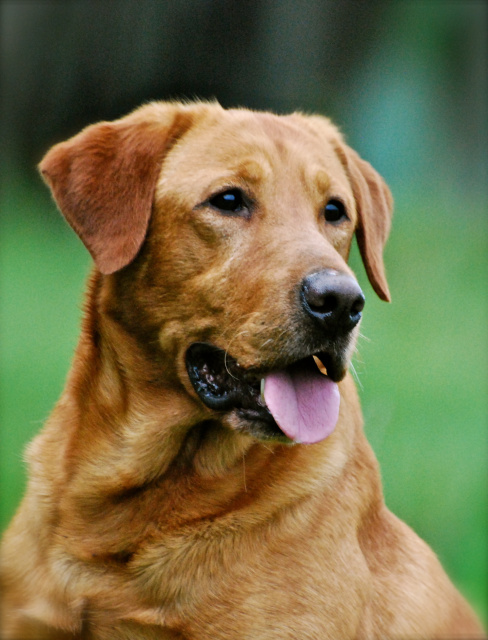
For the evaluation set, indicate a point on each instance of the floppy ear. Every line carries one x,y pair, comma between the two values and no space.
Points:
104,178
375,206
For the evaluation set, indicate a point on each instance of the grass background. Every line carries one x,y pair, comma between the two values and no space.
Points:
422,365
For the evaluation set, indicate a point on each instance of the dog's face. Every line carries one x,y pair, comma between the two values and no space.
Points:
224,237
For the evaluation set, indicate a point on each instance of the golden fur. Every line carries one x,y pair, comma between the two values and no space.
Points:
149,515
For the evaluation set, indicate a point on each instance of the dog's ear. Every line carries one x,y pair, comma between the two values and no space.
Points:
104,178
375,206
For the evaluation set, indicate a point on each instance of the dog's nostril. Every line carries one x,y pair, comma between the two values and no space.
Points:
357,305
327,304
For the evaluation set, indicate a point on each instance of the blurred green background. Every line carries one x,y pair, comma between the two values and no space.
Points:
407,82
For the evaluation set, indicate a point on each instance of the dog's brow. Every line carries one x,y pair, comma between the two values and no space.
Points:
322,181
318,179
254,171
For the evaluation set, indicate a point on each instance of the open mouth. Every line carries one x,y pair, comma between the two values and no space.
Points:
299,402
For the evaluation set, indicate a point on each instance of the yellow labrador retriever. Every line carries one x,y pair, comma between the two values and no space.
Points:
205,475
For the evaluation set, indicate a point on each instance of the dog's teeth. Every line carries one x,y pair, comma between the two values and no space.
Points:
320,365
262,392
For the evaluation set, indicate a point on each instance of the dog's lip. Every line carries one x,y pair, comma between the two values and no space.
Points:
224,385
219,380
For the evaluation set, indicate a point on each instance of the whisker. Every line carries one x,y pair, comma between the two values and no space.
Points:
226,354
226,367
356,375
267,448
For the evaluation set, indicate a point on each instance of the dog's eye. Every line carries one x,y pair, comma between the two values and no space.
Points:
335,212
231,201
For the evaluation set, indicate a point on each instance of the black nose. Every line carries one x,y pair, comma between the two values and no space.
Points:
333,299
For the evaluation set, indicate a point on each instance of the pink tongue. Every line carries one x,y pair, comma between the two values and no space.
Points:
304,403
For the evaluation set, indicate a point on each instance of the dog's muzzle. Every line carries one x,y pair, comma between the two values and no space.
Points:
295,398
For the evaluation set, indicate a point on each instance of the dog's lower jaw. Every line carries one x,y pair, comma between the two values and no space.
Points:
243,421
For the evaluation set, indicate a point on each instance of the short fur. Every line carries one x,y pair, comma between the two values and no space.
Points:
148,515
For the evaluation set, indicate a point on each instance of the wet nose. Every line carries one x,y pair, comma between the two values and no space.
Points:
333,299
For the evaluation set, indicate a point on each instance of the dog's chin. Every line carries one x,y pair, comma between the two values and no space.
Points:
257,424
238,393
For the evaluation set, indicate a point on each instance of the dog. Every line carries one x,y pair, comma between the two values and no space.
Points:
205,475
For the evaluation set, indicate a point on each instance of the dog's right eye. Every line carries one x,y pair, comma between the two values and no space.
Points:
231,201
335,212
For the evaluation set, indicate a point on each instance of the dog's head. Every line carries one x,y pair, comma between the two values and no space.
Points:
223,237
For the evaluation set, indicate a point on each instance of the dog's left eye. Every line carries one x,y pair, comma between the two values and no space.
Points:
231,201
335,212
